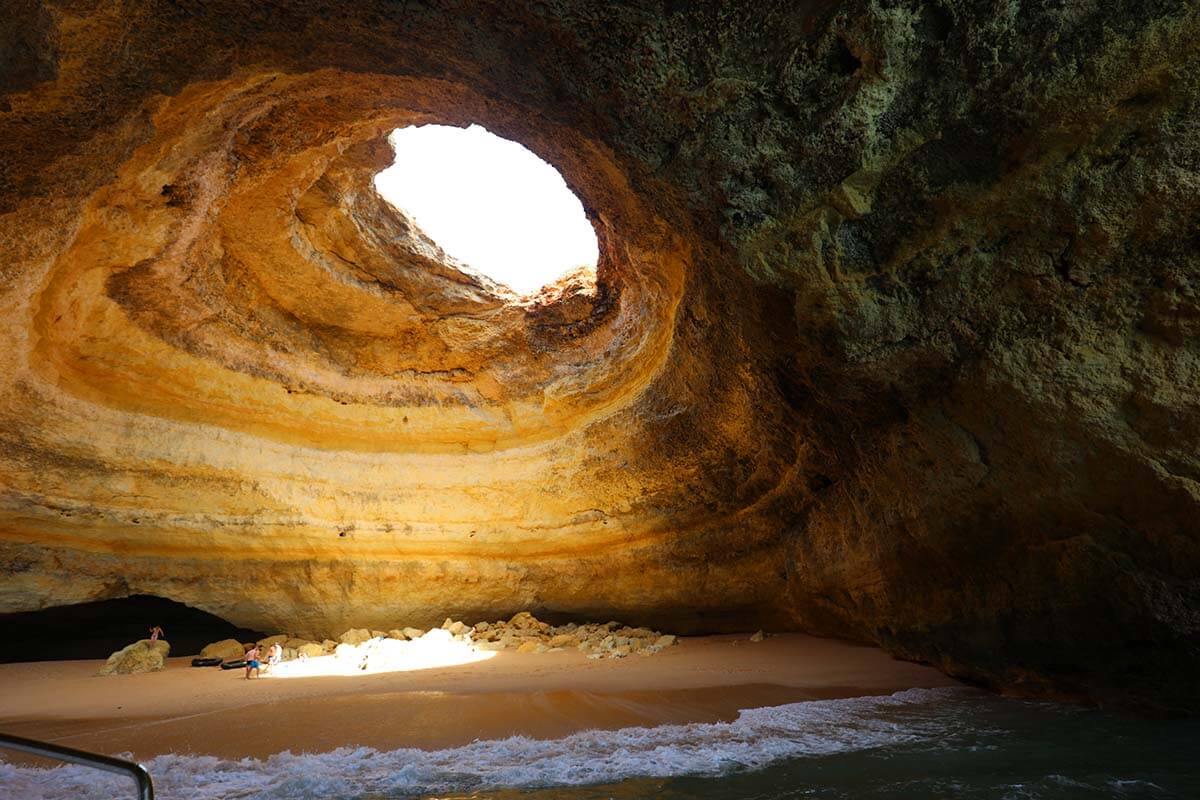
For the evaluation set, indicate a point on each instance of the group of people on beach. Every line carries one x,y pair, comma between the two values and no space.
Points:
253,664
274,656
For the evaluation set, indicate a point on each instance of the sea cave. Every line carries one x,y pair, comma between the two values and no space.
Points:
881,325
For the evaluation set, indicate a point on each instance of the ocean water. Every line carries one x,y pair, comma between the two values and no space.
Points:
939,743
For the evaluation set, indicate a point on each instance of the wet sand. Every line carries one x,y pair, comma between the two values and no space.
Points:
214,712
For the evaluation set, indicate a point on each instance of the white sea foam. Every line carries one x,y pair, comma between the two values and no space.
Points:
755,739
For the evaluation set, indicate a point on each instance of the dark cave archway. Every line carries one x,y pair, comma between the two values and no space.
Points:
97,629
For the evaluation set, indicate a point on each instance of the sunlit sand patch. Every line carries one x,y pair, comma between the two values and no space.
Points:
437,648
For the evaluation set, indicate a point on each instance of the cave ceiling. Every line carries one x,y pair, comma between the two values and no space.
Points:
893,334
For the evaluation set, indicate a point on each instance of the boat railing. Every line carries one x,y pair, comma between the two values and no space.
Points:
119,766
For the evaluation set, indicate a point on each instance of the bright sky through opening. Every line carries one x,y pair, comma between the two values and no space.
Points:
490,203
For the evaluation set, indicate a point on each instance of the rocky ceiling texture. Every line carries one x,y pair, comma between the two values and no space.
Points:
894,335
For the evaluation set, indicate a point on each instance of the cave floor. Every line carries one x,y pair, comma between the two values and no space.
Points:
549,695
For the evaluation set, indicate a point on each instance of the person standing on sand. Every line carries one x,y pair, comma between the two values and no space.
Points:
252,662
275,655
155,632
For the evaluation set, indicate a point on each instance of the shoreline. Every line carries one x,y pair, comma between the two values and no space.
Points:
208,711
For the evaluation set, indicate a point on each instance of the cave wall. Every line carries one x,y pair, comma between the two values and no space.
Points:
894,336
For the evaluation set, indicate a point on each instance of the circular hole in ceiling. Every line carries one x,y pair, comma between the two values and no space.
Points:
491,204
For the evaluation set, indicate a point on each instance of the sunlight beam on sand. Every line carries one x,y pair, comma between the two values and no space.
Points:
437,648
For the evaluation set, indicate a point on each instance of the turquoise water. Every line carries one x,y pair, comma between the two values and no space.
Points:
939,743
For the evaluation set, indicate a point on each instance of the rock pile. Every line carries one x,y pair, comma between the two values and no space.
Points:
526,634
523,633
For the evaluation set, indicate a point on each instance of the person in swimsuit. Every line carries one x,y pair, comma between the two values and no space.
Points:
155,632
252,662
275,655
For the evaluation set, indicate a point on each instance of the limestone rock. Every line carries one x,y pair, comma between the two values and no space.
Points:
413,633
310,650
758,636
523,620
226,650
355,636
141,656
279,638
524,630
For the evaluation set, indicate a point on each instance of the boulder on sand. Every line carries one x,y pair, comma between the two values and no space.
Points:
457,628
226,650
141,656
355,636
310,650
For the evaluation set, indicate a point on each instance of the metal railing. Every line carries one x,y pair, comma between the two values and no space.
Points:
119,766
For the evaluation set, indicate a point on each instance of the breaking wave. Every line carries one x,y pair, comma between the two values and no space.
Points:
756,739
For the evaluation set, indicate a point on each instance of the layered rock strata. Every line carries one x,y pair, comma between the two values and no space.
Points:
893,335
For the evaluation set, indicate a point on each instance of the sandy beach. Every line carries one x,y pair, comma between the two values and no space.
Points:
213,712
